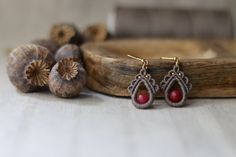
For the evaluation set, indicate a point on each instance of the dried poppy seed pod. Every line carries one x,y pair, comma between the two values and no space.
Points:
65,33
49,44
68,51
67,78
29,66
97,32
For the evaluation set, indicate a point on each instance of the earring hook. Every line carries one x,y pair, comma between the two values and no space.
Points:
144,61
176,59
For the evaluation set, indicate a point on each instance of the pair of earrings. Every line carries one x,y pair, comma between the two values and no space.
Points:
175,86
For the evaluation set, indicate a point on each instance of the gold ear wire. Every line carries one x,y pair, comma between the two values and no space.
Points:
144,61
176,59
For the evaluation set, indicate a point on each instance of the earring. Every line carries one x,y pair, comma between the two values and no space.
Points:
143,88
175,85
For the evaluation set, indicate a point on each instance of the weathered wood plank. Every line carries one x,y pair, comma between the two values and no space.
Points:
171,22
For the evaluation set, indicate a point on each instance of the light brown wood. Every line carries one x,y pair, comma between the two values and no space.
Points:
209,64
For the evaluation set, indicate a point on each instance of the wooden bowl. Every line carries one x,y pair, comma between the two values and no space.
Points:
209,64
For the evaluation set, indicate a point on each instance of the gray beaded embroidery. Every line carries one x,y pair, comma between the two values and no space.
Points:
151,86
175,75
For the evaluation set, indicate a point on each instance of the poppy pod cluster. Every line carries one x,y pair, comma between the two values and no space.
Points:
54,63
32,67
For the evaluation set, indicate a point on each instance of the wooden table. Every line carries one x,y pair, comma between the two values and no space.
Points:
42,125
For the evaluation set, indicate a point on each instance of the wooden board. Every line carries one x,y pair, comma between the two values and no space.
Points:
171,22
209,64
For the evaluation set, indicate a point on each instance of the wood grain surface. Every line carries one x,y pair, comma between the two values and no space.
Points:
209,64
96,125
171,22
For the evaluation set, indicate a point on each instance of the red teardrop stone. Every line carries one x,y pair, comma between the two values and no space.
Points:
175,95
142,97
